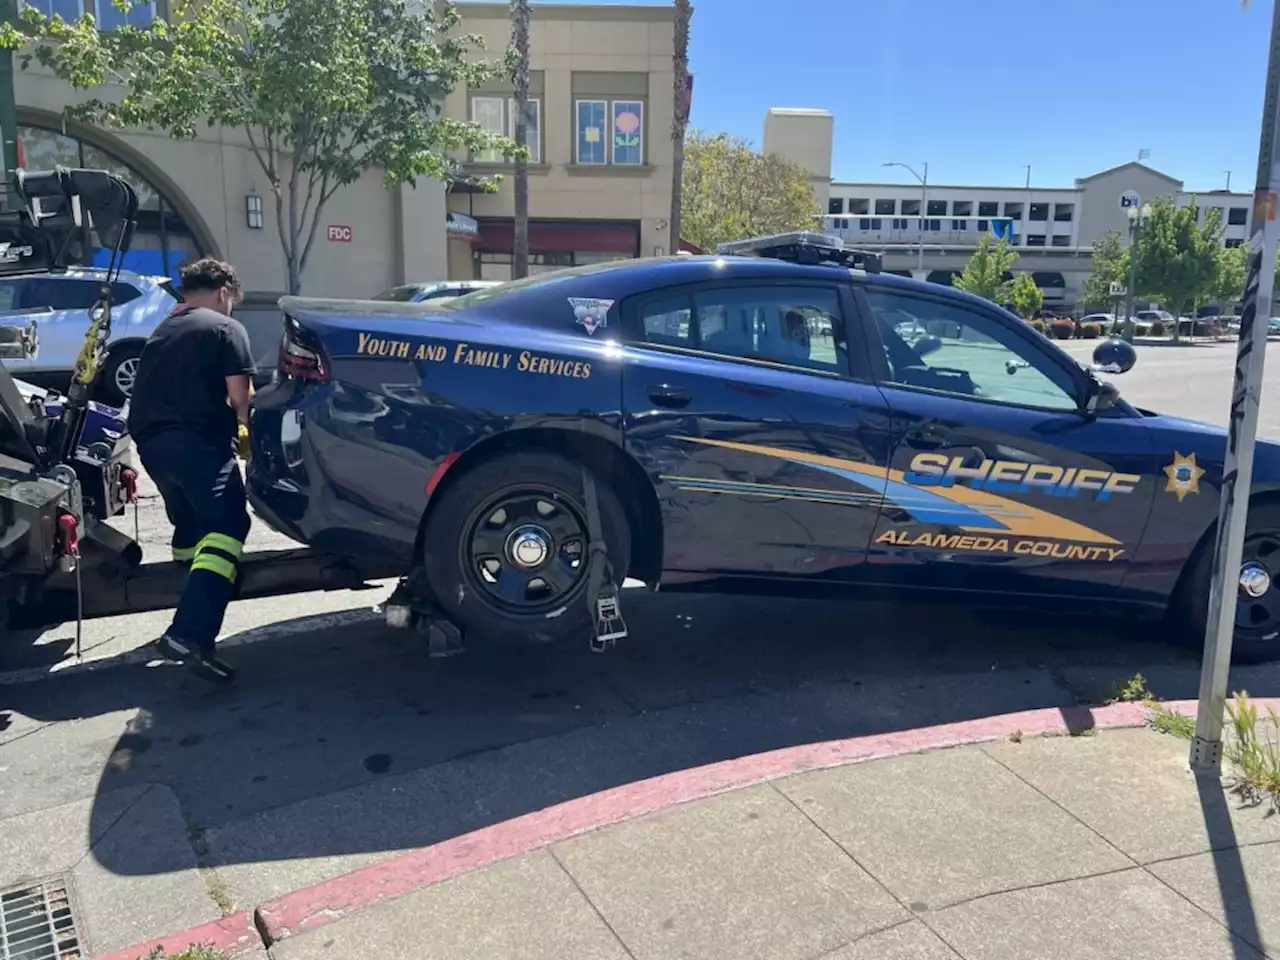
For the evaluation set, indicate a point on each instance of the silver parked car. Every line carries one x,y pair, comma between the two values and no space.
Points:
418,292
59,304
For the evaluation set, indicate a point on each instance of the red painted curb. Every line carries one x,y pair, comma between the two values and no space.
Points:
315,906
233,934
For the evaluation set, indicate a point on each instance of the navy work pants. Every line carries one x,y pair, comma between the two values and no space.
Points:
205,500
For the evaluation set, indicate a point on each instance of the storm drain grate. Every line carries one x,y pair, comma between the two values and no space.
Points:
36,923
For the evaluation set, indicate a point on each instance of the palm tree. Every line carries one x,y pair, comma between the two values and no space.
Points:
520,41
680,120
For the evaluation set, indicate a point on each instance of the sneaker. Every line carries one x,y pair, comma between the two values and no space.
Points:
203,663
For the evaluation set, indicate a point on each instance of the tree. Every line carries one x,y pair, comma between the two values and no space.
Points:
1177,258
1110,265
984,274
520,49
1229,288
323,90
680,116
1023,296
729,191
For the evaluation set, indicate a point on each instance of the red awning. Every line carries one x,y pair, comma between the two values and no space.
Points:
561,236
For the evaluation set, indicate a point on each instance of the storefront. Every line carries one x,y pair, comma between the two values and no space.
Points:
553,245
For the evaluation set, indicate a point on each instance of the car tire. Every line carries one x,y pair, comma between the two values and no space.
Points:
115,383
1190,608
473,514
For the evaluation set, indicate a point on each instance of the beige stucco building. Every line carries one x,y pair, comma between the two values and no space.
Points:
600,186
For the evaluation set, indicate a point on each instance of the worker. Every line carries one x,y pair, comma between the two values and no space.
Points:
189,417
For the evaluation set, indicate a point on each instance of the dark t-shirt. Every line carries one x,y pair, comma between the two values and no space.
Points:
182,375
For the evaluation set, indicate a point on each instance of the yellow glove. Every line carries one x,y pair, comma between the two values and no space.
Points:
242,442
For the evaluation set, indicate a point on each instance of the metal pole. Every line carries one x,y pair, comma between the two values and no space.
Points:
1135,227
1237,470
8,109
924,210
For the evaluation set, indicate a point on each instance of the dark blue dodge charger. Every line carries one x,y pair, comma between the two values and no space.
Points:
747,419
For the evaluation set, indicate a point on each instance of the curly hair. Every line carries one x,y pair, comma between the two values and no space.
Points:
208,274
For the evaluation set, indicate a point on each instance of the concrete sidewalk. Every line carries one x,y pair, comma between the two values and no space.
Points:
1098,845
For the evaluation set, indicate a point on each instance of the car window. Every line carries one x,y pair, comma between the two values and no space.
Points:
949,348
62,293
122,293
668,321
9,295
403,294
799,326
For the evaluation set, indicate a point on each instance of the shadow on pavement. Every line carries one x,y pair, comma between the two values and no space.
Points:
1228,868
352,742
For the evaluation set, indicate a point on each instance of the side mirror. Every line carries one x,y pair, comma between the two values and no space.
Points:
928,344
1102,396
1114,356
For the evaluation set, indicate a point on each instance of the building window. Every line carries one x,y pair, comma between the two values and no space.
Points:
876,223
988,208
957,224
105,12
1060,240
911,208
489,114
962,208
1238,216
886,208
899,224
628,133
1013,211
1039,212
1015,239
835,206
859,205
592,147
1233,242
532,127
937,208
935,225
984,226
1035,240
1063,212
864,224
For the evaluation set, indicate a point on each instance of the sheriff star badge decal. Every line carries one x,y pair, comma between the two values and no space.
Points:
1184,475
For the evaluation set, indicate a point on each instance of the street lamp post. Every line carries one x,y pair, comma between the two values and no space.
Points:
1137,219
924,201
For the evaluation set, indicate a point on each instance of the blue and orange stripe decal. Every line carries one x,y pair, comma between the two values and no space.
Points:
971,510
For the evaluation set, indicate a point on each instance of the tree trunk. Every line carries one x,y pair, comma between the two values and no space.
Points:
680,119
520,39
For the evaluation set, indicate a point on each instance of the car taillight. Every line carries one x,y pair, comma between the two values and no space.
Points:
301,362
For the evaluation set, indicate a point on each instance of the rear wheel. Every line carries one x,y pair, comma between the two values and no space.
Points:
506,548
1256,590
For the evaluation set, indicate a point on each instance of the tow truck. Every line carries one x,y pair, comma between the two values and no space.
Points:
60,559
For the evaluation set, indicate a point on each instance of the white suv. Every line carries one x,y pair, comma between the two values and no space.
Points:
59,305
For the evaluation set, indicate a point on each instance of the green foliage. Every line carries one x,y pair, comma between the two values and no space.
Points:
1133,690
983,275
1110,265
1254,751
1024,296
729,192
1170,722
1229,287
193,952
1036,325
1177,258
324,90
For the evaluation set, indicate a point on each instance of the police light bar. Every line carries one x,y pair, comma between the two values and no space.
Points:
803,246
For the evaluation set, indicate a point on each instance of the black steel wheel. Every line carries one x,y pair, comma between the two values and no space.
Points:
525,550
1256,637
505,547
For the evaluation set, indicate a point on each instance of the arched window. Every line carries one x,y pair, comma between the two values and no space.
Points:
163,240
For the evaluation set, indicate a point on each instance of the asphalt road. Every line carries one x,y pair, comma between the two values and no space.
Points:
345,743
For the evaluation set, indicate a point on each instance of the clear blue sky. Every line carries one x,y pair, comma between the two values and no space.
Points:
981,88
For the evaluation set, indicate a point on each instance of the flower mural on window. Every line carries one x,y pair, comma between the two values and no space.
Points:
628,132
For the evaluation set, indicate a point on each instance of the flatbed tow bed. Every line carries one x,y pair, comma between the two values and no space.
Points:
60,561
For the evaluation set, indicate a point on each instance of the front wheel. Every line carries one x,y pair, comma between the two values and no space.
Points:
119,372
506,548
1256,590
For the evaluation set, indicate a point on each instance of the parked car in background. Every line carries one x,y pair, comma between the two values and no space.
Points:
418,292
59,305
1155,316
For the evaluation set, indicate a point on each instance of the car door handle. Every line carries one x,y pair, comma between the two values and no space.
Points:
667,396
